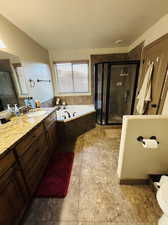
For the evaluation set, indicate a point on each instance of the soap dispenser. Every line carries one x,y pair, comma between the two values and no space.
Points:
17,112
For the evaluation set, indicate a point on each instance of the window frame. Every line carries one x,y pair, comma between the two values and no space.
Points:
72,93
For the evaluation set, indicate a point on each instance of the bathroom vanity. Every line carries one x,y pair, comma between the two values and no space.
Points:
28,144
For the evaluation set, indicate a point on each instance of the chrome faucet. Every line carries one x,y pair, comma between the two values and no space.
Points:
69,115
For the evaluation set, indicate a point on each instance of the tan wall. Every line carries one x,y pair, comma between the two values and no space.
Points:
66,55
20,44
136,162
154,32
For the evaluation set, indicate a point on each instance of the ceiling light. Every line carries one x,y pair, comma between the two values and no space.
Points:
118,41
2,45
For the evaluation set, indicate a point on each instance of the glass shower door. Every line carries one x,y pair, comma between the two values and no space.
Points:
101,83
121,91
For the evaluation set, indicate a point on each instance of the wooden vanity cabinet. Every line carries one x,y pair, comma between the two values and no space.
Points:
50,126
13,193
36,169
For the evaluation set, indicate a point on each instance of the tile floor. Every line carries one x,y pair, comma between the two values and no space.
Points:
95,197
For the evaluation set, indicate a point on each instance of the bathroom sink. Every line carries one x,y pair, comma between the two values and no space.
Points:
37,113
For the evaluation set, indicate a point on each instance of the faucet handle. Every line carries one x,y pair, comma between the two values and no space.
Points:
74,114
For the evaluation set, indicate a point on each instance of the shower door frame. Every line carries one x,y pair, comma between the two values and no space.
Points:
134,62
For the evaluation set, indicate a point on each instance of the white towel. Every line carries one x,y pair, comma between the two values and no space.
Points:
146,91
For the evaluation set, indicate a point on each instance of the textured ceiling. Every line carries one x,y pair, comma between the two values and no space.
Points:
80,24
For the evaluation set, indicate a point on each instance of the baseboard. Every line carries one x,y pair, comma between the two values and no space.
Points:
134,181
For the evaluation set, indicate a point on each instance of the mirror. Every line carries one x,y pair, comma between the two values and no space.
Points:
12,84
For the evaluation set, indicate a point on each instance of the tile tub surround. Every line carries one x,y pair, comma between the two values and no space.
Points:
18,127
77,100
95,197
48,103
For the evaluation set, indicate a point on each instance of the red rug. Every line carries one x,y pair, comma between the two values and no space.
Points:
56,179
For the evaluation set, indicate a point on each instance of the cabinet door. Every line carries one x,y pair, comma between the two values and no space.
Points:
36,173
12,199
52,138
34,162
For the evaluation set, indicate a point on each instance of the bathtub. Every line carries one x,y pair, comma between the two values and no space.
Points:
82,119
72,112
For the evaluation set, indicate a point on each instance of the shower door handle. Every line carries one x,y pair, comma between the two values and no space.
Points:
126,96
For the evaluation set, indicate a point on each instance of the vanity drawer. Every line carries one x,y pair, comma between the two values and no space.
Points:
38,130
6,162
27,141
50,120
34,162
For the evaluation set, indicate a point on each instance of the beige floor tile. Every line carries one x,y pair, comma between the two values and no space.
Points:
100,202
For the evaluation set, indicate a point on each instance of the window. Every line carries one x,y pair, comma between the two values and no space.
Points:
72,77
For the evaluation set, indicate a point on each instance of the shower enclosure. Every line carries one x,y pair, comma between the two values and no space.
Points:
115,86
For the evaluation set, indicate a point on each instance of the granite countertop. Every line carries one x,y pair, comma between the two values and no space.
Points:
18,127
